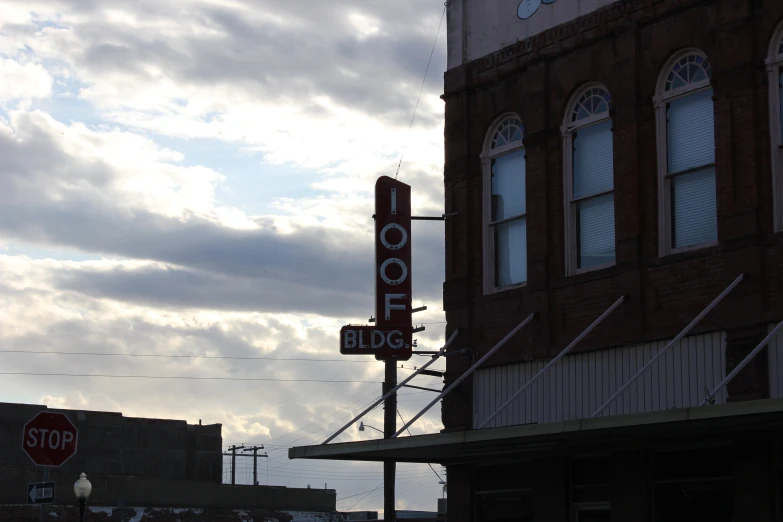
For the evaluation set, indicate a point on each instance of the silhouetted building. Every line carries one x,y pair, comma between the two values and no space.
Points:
161,467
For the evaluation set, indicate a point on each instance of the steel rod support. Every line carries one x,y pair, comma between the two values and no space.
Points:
442,217
554,361
467,373
394,390
674,341
741,365
422,388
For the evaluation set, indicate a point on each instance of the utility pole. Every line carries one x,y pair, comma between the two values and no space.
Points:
389,429
233,454
255,449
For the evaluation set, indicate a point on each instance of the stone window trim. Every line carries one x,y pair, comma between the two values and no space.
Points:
664,94
572,122
489,152
774,63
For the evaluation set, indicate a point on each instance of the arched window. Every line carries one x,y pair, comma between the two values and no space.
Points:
775,72
687,208
505,207
588,157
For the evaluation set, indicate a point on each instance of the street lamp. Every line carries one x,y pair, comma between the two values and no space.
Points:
363,425
82,488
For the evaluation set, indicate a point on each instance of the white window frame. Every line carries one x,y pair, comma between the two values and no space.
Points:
567,132
578,507
660,100
487,155
774,64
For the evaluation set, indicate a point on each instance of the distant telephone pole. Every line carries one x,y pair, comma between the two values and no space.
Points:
255,449
233,455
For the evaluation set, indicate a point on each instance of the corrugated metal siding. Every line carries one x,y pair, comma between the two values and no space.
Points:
576,386
775,350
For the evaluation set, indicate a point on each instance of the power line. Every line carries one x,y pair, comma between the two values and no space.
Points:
411,434
329,477
410,485
344,408
370,491
184,377
310,434
186,356
354,471
423,81
283,447
368,494
356,495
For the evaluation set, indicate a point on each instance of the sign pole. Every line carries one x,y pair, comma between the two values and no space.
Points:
389,427
391,338
41,507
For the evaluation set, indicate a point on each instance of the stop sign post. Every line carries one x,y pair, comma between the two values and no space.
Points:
50,439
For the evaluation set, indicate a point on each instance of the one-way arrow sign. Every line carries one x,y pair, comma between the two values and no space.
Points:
40,493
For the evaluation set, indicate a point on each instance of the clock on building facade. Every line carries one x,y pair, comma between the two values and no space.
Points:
527,8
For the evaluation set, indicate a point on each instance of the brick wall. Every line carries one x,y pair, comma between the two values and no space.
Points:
623,46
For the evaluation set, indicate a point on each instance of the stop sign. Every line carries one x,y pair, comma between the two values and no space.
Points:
49,439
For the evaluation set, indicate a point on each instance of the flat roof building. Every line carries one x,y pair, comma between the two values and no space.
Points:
161,467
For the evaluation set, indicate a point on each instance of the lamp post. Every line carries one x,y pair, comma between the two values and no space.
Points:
82,488
363,425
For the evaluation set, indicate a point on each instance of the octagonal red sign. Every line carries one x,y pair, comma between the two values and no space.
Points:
49,439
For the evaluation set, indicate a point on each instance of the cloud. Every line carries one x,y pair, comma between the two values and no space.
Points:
146,54
337,99
30,80
116,193
40,316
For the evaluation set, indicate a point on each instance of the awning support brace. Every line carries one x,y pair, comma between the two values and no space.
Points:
673,342
741,365
467,373
554,361
394,390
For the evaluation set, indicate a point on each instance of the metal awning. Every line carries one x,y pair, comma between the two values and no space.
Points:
705,424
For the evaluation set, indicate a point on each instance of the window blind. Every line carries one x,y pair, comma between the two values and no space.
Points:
508,185
694,211
593,160
595,229
510,252
690,133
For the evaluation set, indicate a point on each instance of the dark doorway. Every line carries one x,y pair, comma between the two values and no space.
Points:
689,501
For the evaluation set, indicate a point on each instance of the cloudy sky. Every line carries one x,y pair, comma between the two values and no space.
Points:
195,177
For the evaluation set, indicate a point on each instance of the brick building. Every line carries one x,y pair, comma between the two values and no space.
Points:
621,159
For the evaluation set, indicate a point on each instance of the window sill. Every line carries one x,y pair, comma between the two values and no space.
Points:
597,268
692,248
587,276
504,292
684,254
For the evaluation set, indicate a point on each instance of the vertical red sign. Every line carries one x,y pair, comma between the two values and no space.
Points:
392,335
393,285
